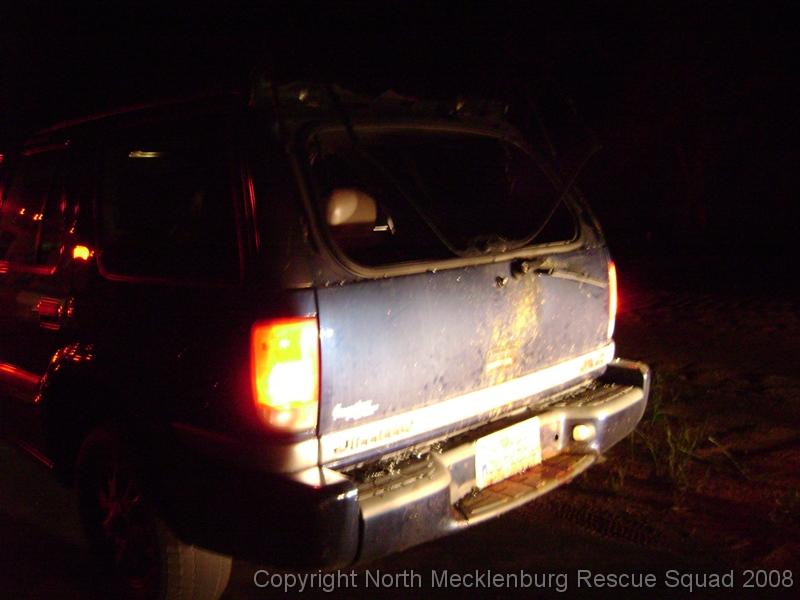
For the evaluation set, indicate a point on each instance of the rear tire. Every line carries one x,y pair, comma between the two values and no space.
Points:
139,557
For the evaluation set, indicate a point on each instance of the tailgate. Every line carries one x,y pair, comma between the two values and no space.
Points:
409,354
410,358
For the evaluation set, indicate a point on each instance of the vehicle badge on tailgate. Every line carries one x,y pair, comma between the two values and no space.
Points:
354,412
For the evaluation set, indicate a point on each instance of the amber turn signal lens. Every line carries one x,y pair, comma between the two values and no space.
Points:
81,253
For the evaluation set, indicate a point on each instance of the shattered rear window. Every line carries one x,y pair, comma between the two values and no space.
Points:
436,194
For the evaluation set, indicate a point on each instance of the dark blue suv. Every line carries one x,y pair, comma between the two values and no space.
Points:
307,328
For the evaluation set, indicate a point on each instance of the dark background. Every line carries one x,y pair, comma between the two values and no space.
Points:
694,109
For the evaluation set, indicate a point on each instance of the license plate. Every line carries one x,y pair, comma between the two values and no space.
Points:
507,452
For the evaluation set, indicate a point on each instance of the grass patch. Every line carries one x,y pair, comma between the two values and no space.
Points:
665,440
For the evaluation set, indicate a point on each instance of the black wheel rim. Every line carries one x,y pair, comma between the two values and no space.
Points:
127,529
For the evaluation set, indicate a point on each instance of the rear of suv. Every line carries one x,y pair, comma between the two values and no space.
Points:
309,329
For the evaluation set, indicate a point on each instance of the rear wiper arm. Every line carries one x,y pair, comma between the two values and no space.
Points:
523,266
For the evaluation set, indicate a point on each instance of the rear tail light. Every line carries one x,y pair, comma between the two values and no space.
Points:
81,252
612,298
285,372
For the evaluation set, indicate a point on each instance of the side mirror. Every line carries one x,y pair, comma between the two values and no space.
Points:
348,206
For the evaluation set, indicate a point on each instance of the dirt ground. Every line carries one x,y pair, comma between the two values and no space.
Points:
716,458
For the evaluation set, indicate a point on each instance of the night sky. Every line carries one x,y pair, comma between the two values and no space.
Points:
694,110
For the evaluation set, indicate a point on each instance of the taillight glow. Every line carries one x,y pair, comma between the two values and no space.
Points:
612,298
285,372
81,252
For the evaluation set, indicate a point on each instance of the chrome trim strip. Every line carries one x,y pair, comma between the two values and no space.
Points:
356,440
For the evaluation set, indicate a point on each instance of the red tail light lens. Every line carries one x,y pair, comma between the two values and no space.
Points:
612,298
285,372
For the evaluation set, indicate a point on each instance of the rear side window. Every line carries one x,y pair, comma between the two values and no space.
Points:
415,194
165,207
23,206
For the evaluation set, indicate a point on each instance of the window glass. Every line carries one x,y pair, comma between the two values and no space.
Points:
53,227
22,212
165,207
437,194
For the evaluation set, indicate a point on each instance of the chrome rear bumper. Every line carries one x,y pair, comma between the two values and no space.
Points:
428,498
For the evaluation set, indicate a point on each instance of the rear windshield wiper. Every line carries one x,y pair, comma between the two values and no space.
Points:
546,267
